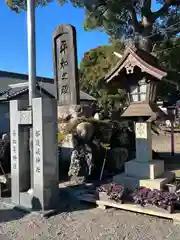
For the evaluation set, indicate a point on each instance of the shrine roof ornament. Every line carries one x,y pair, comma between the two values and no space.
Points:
135,57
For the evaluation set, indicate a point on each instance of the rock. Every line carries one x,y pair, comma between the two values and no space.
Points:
68,112
121,138
85,131
96,116
67,146
118,156
62,127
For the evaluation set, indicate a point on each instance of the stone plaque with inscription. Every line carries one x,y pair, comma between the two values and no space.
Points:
45,151
65,65
141,130
143,141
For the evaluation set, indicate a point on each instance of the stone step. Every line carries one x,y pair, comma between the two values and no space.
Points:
133,182
149,170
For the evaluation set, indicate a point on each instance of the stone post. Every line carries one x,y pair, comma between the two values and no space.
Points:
143,141
20,162
45,152
143,171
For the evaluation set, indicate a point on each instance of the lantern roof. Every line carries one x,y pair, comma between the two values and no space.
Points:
133,57
149,110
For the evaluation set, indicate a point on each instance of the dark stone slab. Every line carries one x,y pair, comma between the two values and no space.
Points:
65,65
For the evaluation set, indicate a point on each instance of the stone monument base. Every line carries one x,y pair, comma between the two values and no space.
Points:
73,112
134,182
147,170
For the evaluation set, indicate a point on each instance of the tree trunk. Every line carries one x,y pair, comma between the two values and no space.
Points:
145,42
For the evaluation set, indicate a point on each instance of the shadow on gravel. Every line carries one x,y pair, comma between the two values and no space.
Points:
7,215
67,201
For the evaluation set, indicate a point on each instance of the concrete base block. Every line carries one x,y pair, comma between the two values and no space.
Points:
133,182
128,182
159,182
148,170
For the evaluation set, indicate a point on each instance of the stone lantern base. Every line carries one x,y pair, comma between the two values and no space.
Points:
143,171
134,182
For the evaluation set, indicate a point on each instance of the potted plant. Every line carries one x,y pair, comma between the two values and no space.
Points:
111,191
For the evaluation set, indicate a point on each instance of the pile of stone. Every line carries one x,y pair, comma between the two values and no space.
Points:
84,147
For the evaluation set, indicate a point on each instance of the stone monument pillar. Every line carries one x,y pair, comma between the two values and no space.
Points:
43,118
20,161
66,73
65,65
143,171
66,81
45,160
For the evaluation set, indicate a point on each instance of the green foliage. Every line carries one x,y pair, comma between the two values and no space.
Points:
20,5
131,19
97,62
61,137
93,67
103,129
168,52
123,18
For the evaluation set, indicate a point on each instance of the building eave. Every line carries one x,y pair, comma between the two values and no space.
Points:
133,55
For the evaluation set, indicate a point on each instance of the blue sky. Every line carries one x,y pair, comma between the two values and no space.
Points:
13,38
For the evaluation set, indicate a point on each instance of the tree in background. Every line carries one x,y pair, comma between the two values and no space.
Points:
167,53
97,62
125,19
134,20
94,66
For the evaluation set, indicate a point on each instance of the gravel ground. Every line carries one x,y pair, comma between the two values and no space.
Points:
83,222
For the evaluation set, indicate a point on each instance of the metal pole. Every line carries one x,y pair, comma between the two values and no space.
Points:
31,49
172,138
31,33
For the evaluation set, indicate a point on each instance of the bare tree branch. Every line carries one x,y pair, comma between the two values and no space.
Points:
164,9
147,5
135,22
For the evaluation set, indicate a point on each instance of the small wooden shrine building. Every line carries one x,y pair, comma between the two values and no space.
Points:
138,72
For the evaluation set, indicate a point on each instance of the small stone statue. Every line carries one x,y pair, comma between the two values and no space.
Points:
81,162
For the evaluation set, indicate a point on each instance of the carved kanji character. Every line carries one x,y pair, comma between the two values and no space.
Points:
37,133
63,63
64,89
37,142
63,46
14,157
38,151
38,169
14,149
38,159
14,165
64,76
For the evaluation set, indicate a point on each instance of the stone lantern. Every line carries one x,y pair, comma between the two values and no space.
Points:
138,73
